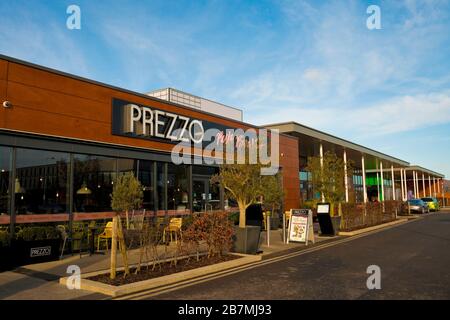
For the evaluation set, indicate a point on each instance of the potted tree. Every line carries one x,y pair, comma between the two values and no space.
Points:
244,183
127,195
273,199
328,178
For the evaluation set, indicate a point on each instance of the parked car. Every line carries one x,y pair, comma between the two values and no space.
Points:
417,205
433,203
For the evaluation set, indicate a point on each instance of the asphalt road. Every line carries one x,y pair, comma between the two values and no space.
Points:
414,259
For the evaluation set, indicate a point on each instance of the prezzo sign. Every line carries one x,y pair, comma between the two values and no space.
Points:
40,251
145,122
218,143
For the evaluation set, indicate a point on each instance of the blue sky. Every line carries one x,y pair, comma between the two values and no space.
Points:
312,62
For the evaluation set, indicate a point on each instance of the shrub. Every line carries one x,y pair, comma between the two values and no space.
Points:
234,218
216,229
37,233
4,238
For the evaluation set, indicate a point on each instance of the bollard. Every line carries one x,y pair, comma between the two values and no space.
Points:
268,229
284,227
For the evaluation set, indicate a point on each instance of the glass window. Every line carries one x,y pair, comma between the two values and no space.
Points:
205,194
127,165
303,176
5,170
177,187
146,179
41,184
161,184
93,181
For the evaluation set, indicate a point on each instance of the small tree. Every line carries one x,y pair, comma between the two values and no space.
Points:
244,183
273,193
328,178
127,195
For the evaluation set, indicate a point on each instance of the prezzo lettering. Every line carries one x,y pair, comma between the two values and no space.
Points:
156,123
40,252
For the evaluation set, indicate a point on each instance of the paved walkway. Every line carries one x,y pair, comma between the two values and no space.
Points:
40,281
277,246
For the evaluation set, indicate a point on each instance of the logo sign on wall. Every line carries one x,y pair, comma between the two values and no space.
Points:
40,252
301,226
140,121
149,123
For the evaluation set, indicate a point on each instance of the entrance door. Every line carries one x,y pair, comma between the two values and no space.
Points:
205,196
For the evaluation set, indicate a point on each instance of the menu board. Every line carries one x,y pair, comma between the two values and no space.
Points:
301,226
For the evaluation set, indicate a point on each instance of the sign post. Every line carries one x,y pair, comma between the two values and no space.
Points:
301,226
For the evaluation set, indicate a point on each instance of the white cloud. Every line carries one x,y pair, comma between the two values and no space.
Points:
399,114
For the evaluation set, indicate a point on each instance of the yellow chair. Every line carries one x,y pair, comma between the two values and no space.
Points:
105,235
288,217
173,227
266,215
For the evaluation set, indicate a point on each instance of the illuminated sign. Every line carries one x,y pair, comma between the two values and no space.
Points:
141,121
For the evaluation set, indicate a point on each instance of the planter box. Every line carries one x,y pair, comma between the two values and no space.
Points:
246,240
36,251
336,224
160,282
6,262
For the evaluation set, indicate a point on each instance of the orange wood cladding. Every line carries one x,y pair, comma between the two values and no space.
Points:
52,104
4,219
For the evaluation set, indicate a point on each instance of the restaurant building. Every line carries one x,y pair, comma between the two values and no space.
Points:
64,140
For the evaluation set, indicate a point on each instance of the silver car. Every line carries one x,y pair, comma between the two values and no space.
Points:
418,205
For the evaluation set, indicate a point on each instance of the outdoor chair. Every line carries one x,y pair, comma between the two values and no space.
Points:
62,230
173,227
266,215
288,217
105,235
137,222
76,235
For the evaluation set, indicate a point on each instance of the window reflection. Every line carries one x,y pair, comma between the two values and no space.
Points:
41,183
161,185
177,187
127,165
146,179
93,183
205,195
5,168
306,186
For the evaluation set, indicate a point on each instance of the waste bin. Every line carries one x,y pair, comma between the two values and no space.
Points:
254,216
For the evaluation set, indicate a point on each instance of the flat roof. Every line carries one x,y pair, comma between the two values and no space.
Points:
292,126
425,170
193,95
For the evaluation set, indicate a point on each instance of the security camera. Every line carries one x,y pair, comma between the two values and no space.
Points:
7,104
